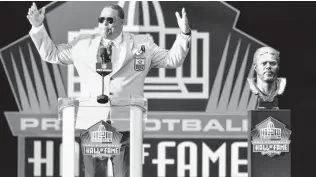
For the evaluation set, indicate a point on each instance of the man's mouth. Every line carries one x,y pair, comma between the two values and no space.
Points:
106,31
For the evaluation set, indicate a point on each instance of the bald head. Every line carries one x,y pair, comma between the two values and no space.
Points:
266,52
119,9
266,63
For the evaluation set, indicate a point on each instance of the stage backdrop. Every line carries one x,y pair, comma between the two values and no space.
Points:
197,123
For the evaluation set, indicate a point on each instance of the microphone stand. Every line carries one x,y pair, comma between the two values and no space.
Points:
103,99
105,68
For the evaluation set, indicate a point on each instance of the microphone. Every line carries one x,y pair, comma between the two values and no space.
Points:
103,68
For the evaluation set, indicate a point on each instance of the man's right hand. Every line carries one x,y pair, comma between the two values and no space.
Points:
35,16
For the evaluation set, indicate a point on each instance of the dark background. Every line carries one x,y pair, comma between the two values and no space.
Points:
290,27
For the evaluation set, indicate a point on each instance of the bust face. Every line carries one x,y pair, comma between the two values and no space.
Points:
267,67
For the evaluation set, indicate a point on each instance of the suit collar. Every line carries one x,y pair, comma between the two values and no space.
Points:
127,37
92,48
125,52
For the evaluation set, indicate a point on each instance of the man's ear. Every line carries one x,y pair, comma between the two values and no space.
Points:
255,67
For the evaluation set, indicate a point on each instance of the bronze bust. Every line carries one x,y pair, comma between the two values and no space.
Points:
267,85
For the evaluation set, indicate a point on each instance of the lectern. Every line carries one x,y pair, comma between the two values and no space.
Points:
119,111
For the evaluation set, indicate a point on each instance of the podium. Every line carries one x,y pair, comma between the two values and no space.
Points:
269,152
119,111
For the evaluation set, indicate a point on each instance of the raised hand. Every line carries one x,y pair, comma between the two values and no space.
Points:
183,22
35,16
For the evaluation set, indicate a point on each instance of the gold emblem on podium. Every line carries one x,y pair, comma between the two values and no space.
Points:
104,141
270,137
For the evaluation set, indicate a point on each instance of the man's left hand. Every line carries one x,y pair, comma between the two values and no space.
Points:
183,22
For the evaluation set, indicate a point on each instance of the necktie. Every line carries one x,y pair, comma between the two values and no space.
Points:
109,49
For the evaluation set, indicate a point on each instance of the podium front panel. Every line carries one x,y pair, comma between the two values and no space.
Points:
106,129
263,165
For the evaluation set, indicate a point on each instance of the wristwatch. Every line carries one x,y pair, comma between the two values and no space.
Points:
188,33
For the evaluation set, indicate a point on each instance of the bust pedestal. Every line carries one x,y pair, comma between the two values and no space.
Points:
268,135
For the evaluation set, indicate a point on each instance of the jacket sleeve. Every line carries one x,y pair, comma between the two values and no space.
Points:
56,54
162,58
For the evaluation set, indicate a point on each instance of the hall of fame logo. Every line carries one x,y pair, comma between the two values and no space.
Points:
104,141
270,137
139,64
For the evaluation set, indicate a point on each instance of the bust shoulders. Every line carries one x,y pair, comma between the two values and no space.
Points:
281,84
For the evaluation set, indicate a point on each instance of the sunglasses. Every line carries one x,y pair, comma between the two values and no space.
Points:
110,20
